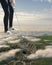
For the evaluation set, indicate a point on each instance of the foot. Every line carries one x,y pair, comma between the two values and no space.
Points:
8,32
13,30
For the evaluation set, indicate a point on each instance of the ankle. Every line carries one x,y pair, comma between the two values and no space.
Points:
5,31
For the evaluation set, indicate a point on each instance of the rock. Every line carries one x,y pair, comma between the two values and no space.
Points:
8,38
32,39
2,42
9,55
46,40
14,44
31,47
48,46
41,54
50,43
4,48
14,41
25,44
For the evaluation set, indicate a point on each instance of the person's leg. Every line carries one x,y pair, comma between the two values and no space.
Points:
11,11
6,14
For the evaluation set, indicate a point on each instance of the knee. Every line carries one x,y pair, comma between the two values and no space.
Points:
12,10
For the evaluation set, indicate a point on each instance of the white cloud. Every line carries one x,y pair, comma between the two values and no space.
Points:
43,0
34,18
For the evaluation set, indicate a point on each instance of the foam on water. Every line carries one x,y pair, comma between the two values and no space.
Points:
41,54
6,55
